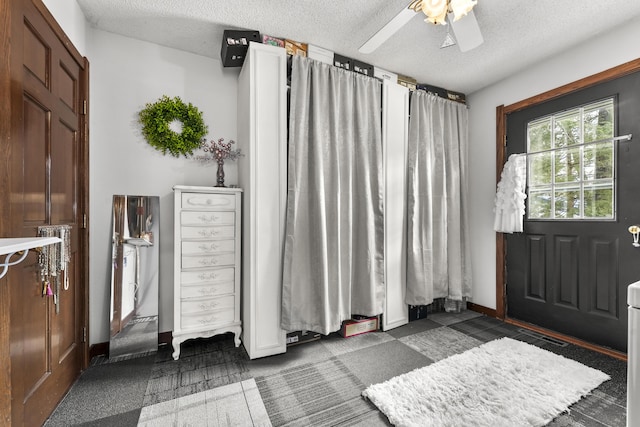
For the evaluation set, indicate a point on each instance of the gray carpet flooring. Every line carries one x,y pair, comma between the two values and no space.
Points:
313,384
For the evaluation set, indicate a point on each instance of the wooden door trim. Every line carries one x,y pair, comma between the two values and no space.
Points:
501,135
5,175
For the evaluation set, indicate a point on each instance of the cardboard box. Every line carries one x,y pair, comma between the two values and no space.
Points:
433,90
343,62
353,327
300,337
417,312
273,41
295,48
362,68
235,44
320,54
385,75
406,81
457,97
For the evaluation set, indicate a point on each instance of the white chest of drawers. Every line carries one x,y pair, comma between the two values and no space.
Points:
206,292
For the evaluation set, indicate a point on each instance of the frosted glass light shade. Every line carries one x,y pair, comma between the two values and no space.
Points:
436,11
461,7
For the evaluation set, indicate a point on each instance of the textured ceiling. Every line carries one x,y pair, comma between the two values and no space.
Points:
517,33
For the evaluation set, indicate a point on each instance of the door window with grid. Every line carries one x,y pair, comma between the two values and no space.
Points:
571,164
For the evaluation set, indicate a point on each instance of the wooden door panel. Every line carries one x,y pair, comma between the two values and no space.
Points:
67,86
63,162
35,140
34,314
65,335
36,54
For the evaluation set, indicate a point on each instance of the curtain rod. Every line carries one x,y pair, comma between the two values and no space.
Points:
626,137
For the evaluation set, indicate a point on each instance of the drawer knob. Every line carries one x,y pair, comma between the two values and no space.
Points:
208,291
208,261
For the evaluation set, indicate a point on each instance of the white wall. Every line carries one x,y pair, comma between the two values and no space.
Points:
70,17
125,75
604,51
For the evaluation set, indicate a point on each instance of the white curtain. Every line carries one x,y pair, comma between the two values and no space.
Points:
333,263
438,253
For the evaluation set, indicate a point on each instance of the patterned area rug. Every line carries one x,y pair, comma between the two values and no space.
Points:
319,394
236,404
440,343
504,382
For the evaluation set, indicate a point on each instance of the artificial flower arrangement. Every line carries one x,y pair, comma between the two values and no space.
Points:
219,151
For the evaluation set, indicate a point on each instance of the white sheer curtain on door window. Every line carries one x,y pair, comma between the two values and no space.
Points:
438,253
333,264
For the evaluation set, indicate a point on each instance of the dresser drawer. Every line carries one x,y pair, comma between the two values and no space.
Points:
208,201
221,232
208,247
207,305
214,260
210,290
207,277
207,218
207,320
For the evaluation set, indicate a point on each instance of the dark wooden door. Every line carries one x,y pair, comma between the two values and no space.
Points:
571,276
47,164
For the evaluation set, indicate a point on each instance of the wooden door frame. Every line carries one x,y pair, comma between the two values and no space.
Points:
501,141
8,90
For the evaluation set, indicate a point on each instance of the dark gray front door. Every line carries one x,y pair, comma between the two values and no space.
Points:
571,275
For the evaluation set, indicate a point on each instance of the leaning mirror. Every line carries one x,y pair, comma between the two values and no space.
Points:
134,275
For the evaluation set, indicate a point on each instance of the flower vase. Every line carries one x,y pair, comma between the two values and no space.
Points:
220,173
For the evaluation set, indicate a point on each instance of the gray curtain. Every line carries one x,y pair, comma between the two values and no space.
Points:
438,253
333,263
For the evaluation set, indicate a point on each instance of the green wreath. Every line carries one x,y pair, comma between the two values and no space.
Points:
157,118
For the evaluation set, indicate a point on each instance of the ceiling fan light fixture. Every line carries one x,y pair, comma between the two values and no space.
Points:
436,11
461,7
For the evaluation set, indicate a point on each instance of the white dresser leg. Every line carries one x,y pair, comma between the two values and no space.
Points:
176,348
237,331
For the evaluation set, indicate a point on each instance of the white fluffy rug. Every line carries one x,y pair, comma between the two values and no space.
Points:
501,383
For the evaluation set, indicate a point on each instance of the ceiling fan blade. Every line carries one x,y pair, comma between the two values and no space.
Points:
387,31
467,31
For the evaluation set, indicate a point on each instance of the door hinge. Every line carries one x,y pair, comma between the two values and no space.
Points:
84,334
84,107
84,221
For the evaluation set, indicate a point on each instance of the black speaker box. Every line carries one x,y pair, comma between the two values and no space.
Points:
235,44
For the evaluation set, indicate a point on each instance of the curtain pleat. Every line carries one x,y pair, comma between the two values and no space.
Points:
438,253
333,263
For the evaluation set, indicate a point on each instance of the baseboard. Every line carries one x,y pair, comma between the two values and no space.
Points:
490,312
580,343
493,313
102,348
98,349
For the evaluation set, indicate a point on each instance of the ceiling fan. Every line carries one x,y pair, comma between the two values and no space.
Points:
459,13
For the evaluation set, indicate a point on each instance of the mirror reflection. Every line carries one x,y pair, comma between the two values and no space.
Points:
134,275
